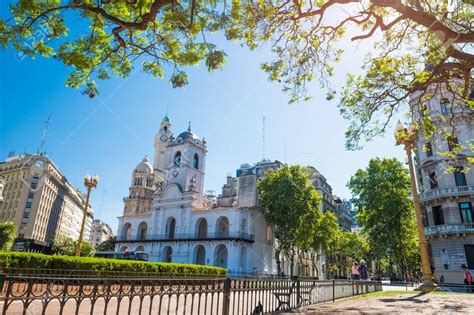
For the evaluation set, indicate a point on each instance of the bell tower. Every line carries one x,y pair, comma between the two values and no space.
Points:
162,138
187,155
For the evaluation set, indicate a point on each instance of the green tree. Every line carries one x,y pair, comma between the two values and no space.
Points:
290,203
382,192
7,235
113,35
67,246
107,245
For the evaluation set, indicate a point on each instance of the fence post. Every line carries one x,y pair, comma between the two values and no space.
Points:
298,293
226,297
333,290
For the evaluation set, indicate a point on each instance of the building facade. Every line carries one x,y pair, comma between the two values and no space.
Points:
100,232
343,213
168,215
446,183
41,202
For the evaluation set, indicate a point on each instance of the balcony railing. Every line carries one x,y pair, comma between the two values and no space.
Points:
446,192
449,229
190,237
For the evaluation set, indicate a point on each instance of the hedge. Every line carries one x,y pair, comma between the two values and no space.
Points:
91,265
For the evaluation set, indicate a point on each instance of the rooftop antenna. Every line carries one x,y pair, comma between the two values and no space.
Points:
263,138
45,132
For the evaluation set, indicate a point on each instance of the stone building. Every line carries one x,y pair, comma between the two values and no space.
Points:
343,213
168,215
446,183
41,202
100,232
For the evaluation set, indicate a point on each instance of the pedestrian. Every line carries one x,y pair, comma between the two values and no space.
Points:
441,279
467,278
362,270
355,271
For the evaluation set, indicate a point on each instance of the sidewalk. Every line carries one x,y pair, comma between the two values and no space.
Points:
398,303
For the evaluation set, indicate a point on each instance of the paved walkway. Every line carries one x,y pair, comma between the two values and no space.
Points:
410,303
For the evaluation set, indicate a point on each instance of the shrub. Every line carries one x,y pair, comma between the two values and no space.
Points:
99,266
7,235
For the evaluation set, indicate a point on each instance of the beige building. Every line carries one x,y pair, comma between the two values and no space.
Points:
446,184
100,232
38,198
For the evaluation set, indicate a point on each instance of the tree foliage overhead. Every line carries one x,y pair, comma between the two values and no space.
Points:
418,44
112,35
382,192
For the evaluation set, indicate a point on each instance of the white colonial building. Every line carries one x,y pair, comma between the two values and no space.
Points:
168,215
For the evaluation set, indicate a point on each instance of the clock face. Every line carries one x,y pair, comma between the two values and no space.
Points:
164,138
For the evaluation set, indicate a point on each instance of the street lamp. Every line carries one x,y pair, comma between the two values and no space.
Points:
407,137
89,182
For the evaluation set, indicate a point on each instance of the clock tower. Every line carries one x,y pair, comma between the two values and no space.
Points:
162,139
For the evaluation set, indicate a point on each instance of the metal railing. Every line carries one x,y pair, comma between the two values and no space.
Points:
83,295
446,191
189,237
449,229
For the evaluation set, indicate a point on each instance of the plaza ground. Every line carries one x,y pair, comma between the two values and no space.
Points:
397,303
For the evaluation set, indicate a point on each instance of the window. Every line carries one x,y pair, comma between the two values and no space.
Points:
469,250
31,195
466,212
196,161
445,106
35,175
26,215
177,159
34,185
438,215
453,142
433,180
459,176
429,149
28,204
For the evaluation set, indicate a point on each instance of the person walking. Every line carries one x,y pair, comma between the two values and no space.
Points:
355,271
467,279
363,274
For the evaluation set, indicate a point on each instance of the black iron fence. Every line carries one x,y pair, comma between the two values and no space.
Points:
23,294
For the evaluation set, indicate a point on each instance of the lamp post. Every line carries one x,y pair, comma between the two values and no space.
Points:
89,182
407,137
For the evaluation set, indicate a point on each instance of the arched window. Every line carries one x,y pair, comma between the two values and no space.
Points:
269,235
220,256
170,228
222,226
127,231
177,159
142,231
196,161
124,249
140,248
201,228
200,255
167,254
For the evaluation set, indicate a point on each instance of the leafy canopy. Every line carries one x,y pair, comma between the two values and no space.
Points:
7,235
107,245
290,203
422,47
382,192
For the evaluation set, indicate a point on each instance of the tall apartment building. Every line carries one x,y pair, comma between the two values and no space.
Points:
100,232
343,213
446,184
38,198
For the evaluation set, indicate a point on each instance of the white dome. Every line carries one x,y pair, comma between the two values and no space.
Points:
144,166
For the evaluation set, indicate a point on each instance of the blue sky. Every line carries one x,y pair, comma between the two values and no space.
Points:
111,134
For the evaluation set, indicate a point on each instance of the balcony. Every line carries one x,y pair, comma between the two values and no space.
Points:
233,236
438,230
452,191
